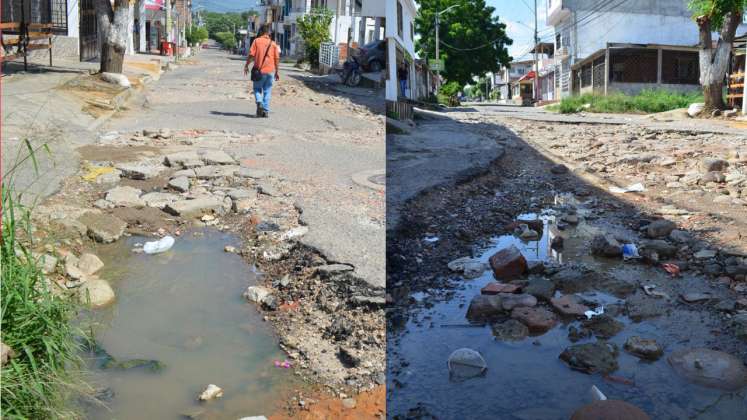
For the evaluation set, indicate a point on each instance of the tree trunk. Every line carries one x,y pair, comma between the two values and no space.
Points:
113,24
714,62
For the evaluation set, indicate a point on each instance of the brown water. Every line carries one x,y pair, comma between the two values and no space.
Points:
184,309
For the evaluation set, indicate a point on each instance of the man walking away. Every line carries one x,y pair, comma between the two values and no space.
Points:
403,75
266,56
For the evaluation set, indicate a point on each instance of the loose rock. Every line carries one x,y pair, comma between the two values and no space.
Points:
644,348
599,357
508,263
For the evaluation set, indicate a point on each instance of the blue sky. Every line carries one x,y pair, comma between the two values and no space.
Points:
518,15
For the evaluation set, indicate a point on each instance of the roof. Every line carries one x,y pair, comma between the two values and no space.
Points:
528,76
544,48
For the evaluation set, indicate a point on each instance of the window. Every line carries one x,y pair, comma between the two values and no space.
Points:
557,41
399,19
412,30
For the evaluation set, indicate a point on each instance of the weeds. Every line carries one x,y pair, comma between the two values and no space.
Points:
647,101
36,323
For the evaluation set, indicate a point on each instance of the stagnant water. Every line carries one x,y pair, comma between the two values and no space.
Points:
526,379
184,308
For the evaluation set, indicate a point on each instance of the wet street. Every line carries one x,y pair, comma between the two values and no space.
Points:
575,313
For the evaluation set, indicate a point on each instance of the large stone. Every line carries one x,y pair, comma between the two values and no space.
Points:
96,293
6,353
605,246
640,307
216,171
661,247
511,330
466,363
89,263
159,199
187,159
125,197
245,172
257,294
710,368
217,157
713,165
266,188
645,348
511,301
102,227
540,287
538,320
660,228
599,357
508,263
569,305
580,279
118,79
470,267
493,288
485,307
180,183
196,207
140,170
211,392
603,326
610,410
241,194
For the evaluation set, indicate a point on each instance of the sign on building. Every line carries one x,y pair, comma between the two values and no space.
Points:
154,4
436,65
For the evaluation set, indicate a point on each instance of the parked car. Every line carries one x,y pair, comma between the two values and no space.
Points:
373,56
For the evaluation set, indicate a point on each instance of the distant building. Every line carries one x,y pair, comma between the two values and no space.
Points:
625,46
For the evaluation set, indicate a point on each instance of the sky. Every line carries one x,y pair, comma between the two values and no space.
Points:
518,15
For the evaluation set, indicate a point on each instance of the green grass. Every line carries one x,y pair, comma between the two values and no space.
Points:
41,380
646,102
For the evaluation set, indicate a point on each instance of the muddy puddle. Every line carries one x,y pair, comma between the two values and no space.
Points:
184,311
525,379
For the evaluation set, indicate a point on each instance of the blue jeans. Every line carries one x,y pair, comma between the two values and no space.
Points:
403,86
263,89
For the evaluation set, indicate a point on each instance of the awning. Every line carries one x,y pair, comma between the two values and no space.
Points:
528,76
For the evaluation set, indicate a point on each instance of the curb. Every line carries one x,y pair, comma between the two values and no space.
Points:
118,101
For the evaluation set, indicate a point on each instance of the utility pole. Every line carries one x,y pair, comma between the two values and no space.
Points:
168,21
744,84
536,62
438,54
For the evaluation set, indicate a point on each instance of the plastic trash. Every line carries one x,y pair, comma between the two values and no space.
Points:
466,363
596,312
284,364
161,245
596,394
630,251
649,290
637,187
431,239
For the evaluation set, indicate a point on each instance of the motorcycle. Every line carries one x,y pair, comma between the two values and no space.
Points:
350,73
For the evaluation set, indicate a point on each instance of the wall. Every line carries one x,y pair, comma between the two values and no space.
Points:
634,88
406,42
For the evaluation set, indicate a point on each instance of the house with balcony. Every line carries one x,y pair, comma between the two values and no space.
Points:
605,47
507,75
349,25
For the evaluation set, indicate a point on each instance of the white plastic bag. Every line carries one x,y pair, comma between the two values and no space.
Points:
161,245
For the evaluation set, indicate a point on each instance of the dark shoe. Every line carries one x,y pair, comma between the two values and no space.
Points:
260,110
265,113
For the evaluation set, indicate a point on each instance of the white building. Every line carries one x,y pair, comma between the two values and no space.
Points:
625,41
400,35
349,23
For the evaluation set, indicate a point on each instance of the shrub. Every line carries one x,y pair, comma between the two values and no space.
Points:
314,29
647,101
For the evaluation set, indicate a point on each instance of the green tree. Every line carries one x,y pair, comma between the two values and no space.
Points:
314,29
723,16
226,39
473,41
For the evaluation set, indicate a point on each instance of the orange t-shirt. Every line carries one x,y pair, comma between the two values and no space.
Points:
258,50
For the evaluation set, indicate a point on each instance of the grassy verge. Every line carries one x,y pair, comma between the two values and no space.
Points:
39,379
648,101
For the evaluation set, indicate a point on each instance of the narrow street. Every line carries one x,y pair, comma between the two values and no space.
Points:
544,207
286,210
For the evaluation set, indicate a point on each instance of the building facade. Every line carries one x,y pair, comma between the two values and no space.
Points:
582,28
400,35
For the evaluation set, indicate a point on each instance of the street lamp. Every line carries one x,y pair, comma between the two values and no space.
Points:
438,50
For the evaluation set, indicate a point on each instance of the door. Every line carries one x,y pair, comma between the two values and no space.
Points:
89,39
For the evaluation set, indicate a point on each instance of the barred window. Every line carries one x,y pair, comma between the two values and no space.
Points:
59,15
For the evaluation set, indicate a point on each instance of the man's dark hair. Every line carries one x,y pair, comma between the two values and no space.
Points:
264,29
